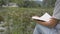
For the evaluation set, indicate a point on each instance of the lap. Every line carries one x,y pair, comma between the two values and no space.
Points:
44,30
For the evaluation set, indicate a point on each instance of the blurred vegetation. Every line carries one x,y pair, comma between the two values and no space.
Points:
19,19
27,3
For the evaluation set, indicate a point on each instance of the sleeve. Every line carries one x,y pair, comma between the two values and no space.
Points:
56,13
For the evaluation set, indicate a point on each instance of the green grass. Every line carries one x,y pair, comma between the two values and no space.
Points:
20,18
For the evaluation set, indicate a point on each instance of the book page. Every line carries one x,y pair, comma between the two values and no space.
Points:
45,17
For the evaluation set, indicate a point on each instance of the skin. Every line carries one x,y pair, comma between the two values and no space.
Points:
52,23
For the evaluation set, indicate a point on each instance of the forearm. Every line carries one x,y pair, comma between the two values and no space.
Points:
42,23
51,23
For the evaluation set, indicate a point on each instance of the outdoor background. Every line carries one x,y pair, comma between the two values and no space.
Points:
15,15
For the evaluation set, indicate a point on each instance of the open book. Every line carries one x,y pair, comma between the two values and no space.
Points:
45,17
